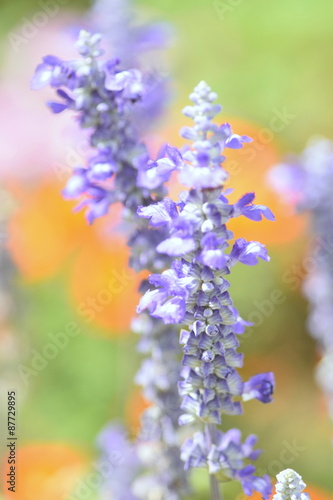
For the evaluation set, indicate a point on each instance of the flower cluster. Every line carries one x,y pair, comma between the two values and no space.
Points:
194,291
225,458
306,182
103,95
290,486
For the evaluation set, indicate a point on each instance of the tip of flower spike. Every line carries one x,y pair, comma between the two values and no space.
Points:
202,92
290,486
202,88
202,161
88,44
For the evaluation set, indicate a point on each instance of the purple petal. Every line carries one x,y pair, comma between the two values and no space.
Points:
159,213
215,259
203,177
234,142
57,107
52,60
260,387
97,209
248,252
172,311
256,212
174,155
76,185
152,174
42,77
246,199
148,299
101,171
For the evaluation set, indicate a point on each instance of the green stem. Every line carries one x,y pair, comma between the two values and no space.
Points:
215,493
214,489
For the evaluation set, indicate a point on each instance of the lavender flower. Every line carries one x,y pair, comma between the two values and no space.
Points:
225,459
306,182
194,292
104,97
290,486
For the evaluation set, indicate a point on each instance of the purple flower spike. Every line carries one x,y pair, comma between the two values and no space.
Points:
195,292
305,181
105,99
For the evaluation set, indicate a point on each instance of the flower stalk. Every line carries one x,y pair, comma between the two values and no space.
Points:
215,493
194,292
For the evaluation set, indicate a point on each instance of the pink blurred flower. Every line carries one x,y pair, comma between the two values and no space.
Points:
33,143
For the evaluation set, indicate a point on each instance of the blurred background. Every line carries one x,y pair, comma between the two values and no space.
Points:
271,64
